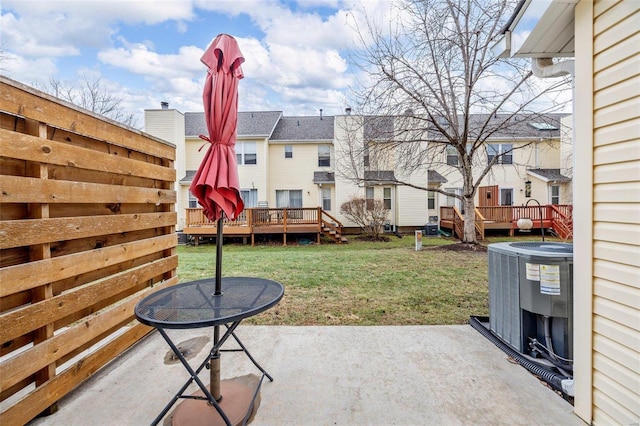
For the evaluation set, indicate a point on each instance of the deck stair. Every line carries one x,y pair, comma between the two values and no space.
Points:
332,228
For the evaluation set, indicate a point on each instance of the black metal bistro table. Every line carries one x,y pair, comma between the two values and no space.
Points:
194,305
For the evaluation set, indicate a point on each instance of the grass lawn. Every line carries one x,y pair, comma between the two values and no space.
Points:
360,283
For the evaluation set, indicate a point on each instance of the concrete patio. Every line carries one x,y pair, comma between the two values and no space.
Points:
402,375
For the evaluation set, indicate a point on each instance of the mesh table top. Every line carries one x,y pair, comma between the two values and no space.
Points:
193,304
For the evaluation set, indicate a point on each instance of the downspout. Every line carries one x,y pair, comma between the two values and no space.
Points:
546,68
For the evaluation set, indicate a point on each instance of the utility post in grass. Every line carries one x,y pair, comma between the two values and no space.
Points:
433,96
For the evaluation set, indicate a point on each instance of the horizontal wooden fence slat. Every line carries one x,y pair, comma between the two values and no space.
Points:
32,148
87,229
47,394
35,358
21,100
17,189
26,276
17,233
23,320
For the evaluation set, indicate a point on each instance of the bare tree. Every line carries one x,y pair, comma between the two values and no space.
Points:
90,94
369,215
432,90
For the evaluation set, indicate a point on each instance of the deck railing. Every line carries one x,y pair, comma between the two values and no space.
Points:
558,217
479,223
196,217
259,216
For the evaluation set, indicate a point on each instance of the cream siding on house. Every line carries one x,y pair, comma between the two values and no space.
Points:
566,158
256,175
616,212
296,173
168,124
193,153
344,189
412,206
528,154
548,153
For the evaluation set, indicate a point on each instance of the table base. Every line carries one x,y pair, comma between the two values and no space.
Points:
237,403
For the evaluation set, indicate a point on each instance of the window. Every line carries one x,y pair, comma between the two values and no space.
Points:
505,150
506,197
246,153
249,197
453,201
386,197
193,201
369,197
326,198
431,200
366,156
452,155
288,151
543,126
324,156
555,194
288,198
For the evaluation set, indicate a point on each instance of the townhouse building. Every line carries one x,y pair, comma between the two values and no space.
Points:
536,163
293,162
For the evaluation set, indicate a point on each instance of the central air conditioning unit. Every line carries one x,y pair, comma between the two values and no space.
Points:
431,230
531,297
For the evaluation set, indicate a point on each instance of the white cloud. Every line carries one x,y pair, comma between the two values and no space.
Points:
137,58
27,70
138,11
295,58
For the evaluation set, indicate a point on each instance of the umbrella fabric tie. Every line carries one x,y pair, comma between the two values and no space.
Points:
206,138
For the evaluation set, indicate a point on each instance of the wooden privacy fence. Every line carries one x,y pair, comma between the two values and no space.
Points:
87,228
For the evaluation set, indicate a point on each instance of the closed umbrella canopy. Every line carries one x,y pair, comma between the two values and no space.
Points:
216,184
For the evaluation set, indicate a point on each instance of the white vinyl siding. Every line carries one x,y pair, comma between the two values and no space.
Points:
616,217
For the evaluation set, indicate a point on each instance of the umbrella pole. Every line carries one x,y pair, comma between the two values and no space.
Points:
214,372
219,257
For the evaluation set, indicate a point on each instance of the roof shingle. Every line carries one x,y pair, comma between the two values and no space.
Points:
260,123
310,128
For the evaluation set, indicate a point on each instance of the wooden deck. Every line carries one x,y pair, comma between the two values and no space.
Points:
554,218
267,221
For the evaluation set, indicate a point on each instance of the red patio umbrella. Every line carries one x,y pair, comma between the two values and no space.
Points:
216,184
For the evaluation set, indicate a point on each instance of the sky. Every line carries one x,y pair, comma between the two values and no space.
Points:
148,52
